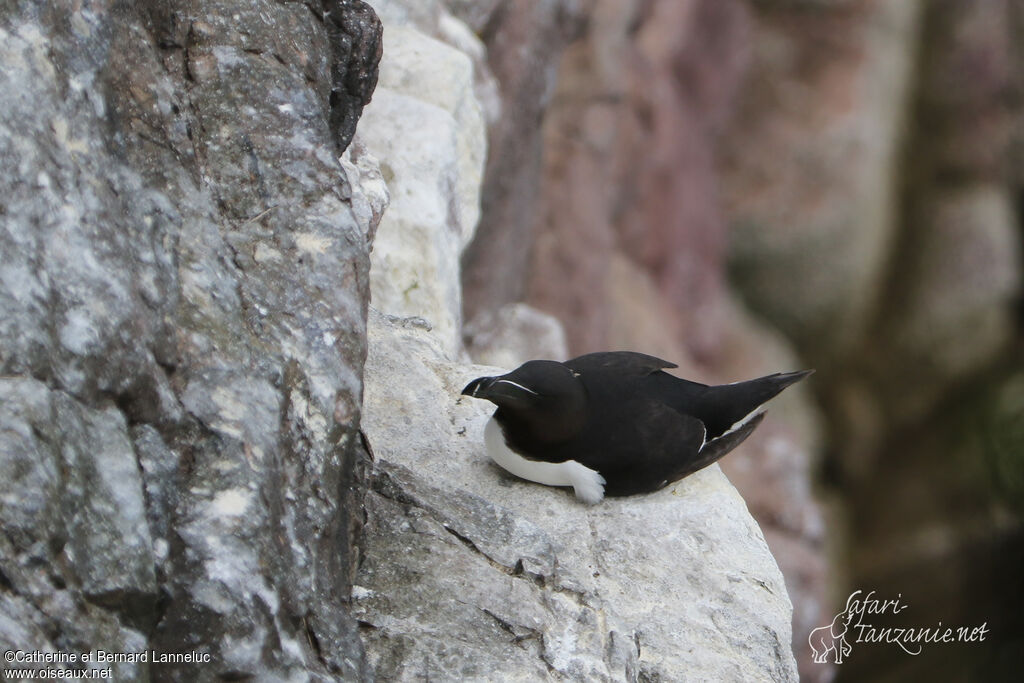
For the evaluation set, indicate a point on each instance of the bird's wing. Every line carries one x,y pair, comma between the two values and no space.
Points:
629,362
650,446
668,447
714,449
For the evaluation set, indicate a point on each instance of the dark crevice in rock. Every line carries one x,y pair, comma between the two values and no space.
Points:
354,32
160,606
137,403
292,449
5,581
519,634
168,366
136,610
57,581
468,542
383,483
314,641
365,441
539,580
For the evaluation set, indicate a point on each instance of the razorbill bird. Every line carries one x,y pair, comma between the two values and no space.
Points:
614,423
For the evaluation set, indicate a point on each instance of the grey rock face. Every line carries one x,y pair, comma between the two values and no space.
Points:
183,294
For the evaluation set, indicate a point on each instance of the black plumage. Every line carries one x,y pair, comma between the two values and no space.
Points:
619,414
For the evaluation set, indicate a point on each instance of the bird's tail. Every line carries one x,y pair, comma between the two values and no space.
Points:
726,407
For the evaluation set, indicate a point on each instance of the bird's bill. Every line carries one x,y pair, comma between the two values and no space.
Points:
478,387
498,390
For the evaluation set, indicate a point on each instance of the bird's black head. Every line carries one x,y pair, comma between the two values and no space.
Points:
542,397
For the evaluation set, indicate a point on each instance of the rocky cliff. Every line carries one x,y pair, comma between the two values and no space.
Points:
182,315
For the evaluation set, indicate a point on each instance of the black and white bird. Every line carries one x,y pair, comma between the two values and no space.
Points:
614,423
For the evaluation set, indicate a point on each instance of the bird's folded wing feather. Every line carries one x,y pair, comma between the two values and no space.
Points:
660,442
674,443
629,362
716,448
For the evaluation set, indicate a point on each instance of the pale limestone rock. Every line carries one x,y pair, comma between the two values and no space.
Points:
434,72
370,195
514,334
417,240
426,127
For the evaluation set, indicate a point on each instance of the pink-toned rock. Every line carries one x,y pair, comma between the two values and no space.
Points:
630,165
811,166
642,319
524,40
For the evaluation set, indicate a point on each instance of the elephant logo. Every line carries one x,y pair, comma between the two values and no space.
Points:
832,638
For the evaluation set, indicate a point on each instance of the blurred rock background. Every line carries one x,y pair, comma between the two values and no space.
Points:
749,186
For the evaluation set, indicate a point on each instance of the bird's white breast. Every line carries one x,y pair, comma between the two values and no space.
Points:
587,483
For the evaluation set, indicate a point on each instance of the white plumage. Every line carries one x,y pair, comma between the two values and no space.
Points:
587,483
